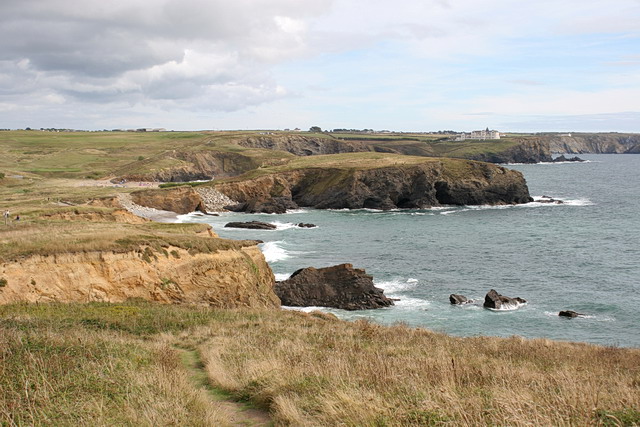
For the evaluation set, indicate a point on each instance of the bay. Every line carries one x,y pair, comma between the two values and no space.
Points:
580,255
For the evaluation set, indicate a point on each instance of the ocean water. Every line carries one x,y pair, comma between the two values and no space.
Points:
581,255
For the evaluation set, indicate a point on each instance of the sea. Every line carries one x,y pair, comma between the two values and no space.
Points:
581,255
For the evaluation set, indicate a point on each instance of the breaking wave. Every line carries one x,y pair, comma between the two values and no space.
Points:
274,252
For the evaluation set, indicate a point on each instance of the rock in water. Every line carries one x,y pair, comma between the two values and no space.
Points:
340,286
562,158
569,313
458,299
253,225
303,225
496,301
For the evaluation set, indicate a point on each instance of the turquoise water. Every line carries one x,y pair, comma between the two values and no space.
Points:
581,255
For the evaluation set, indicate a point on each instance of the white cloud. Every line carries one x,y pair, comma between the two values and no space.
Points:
418,63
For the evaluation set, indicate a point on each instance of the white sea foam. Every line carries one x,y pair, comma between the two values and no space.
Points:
273,251
508,307
538,201
303,309
412,303
549,163
181,219
296,211
397,285
282,276
597,318
283,225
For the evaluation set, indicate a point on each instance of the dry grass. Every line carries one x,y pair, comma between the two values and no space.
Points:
59,366
117,364
313,370
32,236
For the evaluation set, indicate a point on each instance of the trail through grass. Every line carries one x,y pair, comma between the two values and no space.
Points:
238,413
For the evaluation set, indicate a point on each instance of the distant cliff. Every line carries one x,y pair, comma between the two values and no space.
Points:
527,150
513,150
595,143
428,183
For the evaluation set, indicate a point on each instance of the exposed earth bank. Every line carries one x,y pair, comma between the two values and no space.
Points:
237,277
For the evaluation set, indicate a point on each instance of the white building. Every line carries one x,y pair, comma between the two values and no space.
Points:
479,134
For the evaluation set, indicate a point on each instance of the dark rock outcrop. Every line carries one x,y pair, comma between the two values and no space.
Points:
252,225
562,158
570,313
303,225
340,286
496,301
422,185
276,205
548,199
458,299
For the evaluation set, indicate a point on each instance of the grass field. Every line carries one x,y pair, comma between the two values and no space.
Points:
120,364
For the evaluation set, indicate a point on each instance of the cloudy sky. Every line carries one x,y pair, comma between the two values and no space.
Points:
411,65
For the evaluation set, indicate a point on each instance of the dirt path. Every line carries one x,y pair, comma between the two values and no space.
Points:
238,413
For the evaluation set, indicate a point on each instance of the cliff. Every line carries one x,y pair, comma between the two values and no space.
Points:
181,200
188,165
228,278
301,145
510,150
416,183
526,150
598,143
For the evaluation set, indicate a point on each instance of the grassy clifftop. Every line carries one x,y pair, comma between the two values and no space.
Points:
106,364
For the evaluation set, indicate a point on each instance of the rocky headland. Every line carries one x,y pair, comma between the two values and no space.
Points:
423,184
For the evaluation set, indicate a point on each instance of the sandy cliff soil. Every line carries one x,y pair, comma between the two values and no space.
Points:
228,278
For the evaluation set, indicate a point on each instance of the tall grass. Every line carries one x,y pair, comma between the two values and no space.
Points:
314,370
119,364
90,365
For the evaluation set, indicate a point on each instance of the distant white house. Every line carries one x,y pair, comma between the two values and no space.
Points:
479,134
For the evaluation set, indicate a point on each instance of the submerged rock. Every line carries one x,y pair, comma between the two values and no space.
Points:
459,299
496,301
253,225
340,286
570,313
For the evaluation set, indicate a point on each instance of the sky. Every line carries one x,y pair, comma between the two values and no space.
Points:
406,65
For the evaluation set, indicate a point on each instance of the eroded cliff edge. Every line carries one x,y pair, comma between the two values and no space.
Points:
409,183
108,262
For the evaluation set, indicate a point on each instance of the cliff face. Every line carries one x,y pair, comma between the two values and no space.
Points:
304,145
531,150
228,278
455,182
184,166
525,150
180,200
595,143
